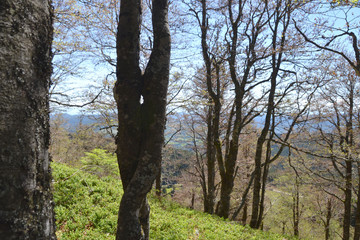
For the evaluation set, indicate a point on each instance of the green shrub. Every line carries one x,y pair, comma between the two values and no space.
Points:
100,162
86,207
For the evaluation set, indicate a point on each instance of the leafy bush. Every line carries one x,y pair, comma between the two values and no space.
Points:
100,162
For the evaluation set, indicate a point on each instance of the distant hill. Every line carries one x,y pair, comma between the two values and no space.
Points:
72,121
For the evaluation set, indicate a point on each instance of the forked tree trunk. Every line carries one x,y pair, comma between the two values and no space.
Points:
141,102
26,209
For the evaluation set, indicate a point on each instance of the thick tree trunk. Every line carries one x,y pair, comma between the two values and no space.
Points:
26,208
227,185
141,101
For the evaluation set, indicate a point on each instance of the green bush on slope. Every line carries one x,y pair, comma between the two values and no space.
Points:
86,208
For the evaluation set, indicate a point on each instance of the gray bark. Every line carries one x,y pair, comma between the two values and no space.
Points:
26,208
141,125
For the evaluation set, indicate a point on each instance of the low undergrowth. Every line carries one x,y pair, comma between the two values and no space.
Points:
86,206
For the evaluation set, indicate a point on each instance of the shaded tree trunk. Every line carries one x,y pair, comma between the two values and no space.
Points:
26,208
296,210
209,198
158,184
347,201
280,25
141,103
328,219
244,215
357,216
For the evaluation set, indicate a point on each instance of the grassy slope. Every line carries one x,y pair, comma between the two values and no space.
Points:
86,208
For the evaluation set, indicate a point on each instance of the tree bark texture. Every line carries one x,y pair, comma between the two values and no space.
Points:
26,208
141,123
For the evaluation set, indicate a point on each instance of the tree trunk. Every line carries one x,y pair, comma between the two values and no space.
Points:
281,23
347,202
244,215
141,103
158,184
212,124
328,218
296,210
26,208
254,222
357,216
227,185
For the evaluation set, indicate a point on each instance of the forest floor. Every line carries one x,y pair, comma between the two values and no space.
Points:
86,206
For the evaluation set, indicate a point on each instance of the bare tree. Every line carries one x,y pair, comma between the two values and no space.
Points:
332,40
141,102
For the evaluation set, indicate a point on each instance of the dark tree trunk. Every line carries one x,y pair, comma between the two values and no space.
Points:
213,115
158,184
347,201
328,219
227,185
357,216
245,213
347,149
255,221
280,25
209,197
26,208
141,101
192,200
296,210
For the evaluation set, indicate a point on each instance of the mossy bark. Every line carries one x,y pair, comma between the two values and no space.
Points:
26,208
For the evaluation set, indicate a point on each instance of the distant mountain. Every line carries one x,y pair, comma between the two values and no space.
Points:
72,121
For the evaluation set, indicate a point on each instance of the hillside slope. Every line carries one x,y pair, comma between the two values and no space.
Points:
87,205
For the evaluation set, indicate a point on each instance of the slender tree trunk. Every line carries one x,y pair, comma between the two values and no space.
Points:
209,197
328,219
26,208
158,184
244,215
357,216
254,223
347,201
296,210
192,200
281,17
141,123
264,178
